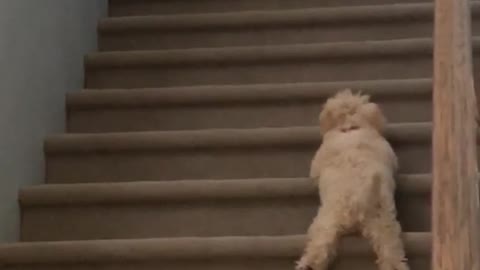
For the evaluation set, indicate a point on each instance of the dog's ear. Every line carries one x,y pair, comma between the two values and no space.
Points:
374,116
326,120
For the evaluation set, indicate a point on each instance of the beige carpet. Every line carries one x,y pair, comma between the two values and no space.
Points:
190,145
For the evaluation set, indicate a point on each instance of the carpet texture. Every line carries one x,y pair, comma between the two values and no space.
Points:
190,145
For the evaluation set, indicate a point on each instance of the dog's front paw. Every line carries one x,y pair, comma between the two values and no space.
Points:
303,265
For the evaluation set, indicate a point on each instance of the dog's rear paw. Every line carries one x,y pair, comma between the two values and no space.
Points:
302,265
402,266
396,266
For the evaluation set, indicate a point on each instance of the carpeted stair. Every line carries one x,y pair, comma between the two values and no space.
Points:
190,145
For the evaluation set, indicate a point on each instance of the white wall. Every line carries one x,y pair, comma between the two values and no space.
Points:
42,45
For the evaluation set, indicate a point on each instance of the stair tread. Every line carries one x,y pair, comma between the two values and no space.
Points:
142,7
191,139
241,93
259,18
328,61
246,54
185,190
417,244
267,27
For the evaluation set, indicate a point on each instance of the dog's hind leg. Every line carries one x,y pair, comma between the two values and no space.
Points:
384,233
321,245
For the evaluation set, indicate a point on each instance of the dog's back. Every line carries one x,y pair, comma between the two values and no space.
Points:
350,166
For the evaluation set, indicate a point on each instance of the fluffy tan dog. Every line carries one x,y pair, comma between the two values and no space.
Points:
354,170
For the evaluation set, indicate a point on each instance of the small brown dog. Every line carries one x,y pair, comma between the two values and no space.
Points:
354,170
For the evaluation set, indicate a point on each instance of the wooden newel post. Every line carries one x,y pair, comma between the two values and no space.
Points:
455,202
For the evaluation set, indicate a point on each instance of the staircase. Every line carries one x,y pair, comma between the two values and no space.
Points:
190,145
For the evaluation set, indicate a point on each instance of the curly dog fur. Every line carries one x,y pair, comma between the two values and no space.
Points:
354,170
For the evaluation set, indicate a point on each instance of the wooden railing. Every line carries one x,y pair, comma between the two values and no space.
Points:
455,202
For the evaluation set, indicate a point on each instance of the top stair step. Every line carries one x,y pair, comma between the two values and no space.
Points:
260,27
149,7
336,61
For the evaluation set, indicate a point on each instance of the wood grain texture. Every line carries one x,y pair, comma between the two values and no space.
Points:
455,202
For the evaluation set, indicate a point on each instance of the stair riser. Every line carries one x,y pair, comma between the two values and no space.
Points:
223,163
193,218
148,7
218,37
338,69
230,115
222,264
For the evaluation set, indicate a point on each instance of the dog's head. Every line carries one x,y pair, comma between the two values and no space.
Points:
348,111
